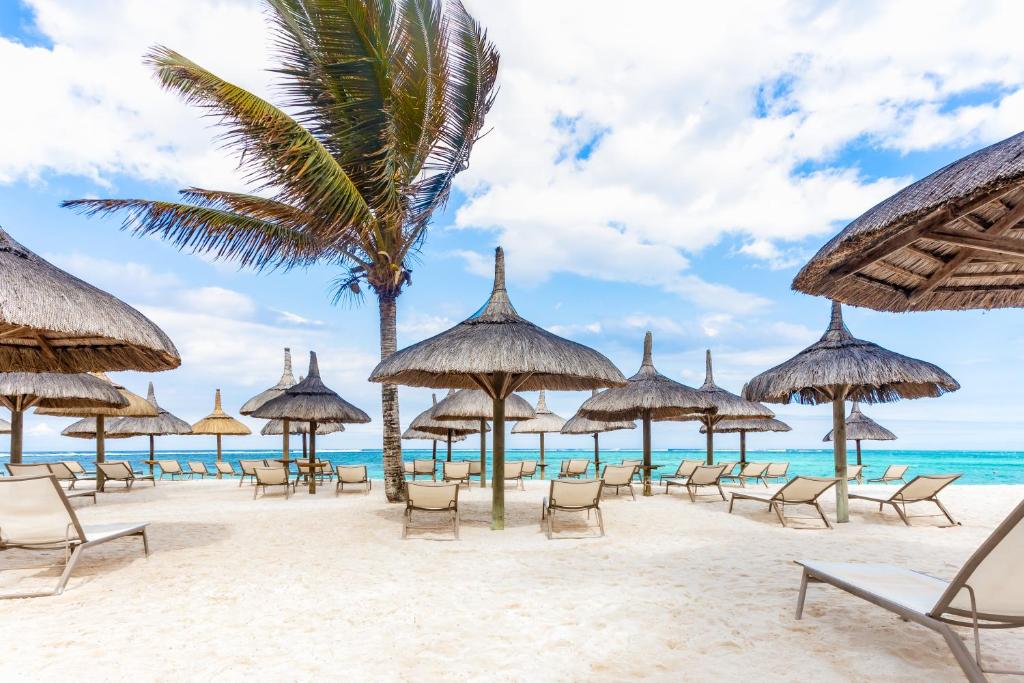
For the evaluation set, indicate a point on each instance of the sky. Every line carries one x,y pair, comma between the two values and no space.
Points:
666,168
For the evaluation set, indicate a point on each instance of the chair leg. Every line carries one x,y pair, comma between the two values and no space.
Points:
821,512
801,596
456,516
901,513
971,668
600,520
633,495
720,491
946,512
145,541
732,499
779,513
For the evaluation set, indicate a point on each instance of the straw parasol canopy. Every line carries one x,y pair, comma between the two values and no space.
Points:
500,352
474,404
287,380
163,424
276,427
860,427
447,430
311,401
5,427
86,429
950,241
544,422
20,391
50,321
648,396
577,424
415,435
742,427
219,423
728,406
840,367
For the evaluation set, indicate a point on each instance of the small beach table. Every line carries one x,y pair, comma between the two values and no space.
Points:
150,463
542,466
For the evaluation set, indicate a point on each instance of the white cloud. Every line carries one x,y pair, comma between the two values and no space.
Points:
225,303
296,319
110,274
417,326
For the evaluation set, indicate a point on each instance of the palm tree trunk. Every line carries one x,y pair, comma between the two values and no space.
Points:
393,479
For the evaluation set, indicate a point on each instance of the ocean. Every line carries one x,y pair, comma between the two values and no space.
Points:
977,467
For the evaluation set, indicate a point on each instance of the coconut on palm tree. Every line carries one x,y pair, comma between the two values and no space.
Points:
384,102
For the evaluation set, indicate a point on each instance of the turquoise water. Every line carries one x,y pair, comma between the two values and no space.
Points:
977,467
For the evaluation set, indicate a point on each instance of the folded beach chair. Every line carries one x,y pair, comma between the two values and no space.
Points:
637,464
248,468
198,469
45,470
798,491
893,473
440,497
678,478
920,489
172,468
567,495
704,476
224,468
987,592
514,473
352,475
529,468
35,514
776,470
271,476
855,473
457,471
119,470
424,468
617,477
752,471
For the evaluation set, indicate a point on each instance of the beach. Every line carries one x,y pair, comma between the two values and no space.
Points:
324,588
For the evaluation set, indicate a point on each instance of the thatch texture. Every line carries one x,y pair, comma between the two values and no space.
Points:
218,422
577,424
758,425
52,321
544,422
287,380
23,390
425,422
416,435
276,428
474,404
860,427
163,424
728,406
862,370
311,401
648,394
86,429
947,242
496,339
133,406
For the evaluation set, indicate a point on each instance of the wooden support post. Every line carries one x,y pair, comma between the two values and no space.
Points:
743,448
839,446
483,453
101,450
542,455
312,457
152,453
647,453
597,458
709,439
17,435
498,467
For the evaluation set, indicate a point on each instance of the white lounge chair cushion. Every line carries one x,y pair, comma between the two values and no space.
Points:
909,589
103,532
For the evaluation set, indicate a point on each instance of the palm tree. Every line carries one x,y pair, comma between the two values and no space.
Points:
386,99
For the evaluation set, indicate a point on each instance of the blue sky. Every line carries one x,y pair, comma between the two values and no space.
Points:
673,186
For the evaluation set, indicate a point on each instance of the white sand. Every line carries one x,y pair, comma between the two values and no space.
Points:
323,587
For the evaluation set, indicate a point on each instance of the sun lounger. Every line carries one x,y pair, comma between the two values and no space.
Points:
573,468
118,470
729,467
752,471
678,478
798,491
172,468
46,469
224,468
63,474
274,463
617,477
987,592
197,469
407,468
566,495
440,497
776,470
892,473
474,468
353,475
920,489
35,514
79,471
271,476
457,471
855,473
704,476
424,468
637,464
248,468
514,473
529,468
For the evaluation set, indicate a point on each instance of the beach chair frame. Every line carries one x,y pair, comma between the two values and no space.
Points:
42,469
198,469
424,467
514,473
886,477
119,470
343,479
272,476
437,502
571,502
777,502
775,474
899,500
705,476
248,469
751,471
679,477
173,470
613,485
450,471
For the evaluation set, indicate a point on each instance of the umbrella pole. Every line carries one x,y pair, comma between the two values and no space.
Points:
312,456
449,445
710,440
542,455
597,458
647,453
305,451
101,451
839,445
858,452
152,452
483,454
743,447
498,467
433,450
17,429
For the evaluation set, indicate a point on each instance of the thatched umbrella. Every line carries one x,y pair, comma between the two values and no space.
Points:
276,427
86,429
426,423
545,422
728,406
648,396
474,404
136,407
577,424
20,391
311,401
5,427
860,427
50,321
416,435
163,424
742,427
838,368
287,380
219,423
499,352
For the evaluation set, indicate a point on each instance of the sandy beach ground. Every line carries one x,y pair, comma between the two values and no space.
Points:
324,588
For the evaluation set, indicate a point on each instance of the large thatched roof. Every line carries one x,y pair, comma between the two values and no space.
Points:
577,424
873,374
728,406
52,321
950,241
425,422
647,392
287,380
277,427
496,339
86,429
416,435
860,427
544,422
135,406
219,422
756,425
474,404
22,390
310,400
163,424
